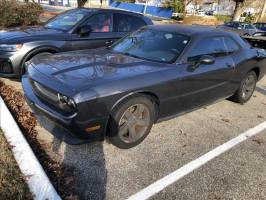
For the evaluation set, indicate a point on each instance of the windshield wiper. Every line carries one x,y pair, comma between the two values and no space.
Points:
53,28
131,55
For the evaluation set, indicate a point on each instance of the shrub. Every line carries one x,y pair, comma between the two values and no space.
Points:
13,13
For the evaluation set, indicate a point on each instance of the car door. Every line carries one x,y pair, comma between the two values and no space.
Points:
202,83
101,34
124,24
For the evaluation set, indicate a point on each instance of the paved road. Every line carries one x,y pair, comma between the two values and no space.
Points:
105,172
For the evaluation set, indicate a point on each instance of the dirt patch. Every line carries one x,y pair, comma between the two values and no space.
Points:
202,20
61,176
48,15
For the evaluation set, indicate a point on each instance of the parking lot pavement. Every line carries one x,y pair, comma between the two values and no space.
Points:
104,171
238,174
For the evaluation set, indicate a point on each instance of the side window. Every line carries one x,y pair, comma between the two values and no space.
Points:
127,23
213,46
231,45
100,23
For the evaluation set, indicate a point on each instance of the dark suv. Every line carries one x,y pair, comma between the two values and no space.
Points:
72,30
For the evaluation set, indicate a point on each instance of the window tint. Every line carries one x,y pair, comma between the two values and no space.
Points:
67,20
214,46
127,23
231,45
101,23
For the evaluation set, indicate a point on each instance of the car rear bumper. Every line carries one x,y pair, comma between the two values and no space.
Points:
66,128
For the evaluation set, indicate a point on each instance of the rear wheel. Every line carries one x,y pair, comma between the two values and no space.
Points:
246,89
131,122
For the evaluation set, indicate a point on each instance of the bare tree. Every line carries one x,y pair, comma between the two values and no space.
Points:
262,12
238,9
81,3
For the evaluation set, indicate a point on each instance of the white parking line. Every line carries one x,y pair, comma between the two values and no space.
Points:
195,164
261,89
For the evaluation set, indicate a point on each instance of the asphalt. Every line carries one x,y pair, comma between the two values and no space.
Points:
103,171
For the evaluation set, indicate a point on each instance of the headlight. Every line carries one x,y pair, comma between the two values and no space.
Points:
66,102
10,47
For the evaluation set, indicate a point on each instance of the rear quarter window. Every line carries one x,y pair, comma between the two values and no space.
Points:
127,23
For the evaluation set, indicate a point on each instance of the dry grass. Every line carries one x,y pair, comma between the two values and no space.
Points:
12,183
202,20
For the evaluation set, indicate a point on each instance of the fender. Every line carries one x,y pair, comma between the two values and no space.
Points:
37,50
135,94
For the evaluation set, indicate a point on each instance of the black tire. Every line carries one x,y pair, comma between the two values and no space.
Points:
243,94
125,141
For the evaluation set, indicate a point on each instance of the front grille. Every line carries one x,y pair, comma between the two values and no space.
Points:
44,92
49,97
5,66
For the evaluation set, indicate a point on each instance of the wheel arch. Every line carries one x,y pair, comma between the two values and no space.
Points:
257,71
152,96
35,51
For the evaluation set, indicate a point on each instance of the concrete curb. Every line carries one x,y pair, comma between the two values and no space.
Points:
37,180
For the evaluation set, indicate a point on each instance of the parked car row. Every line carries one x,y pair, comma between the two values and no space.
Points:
245,29
118,91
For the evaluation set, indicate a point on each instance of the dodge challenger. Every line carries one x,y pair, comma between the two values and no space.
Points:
156,73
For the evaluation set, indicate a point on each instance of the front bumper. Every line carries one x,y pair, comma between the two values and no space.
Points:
66,128
10,64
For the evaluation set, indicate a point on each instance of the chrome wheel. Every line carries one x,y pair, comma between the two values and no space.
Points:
134,123
248,86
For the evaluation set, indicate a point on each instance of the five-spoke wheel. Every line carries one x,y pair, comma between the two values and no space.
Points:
246,89
131,122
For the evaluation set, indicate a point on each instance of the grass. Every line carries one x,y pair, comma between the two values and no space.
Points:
223,18
12,183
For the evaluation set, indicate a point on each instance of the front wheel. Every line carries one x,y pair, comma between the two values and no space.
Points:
246,89
131,122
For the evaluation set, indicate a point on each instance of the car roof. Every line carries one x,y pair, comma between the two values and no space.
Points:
111,10
191,30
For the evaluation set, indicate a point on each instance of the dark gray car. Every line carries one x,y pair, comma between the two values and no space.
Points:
154,74
72,30
243,29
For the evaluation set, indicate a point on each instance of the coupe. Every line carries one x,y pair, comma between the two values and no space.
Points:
155,73
76,29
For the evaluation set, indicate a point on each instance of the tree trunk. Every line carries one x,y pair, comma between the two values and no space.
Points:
81,3
238,10
262,14
184,11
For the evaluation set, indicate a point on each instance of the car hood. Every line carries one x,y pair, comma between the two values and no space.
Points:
21,34
82,69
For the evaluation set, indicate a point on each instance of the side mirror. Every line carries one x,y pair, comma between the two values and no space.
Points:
207,60
195,62
84,30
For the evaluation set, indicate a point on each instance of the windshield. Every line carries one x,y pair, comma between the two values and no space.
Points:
154,45
249,26
67,20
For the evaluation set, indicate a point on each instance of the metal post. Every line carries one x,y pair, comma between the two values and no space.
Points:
145,7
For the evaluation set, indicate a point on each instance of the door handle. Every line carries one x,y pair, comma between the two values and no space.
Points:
109,42
229,65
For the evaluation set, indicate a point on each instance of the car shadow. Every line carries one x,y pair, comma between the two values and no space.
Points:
86,160
88,163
